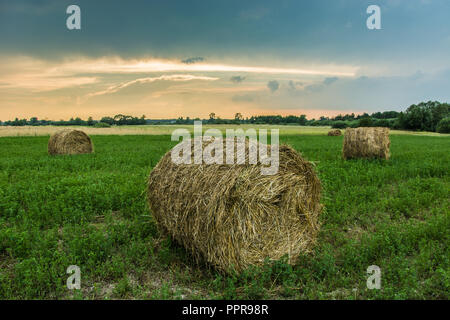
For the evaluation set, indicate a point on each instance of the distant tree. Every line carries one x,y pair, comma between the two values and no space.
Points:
424,116
439,111
238,117
365,122
339,125
381,123
107,120
90,121
33,121
443,125
302,120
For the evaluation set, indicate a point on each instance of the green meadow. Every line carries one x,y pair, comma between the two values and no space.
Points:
91,211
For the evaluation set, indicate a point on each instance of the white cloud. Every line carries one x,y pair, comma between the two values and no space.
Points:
172,77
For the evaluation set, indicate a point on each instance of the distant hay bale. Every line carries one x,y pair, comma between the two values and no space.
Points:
69,141
335,132
366,143
232,216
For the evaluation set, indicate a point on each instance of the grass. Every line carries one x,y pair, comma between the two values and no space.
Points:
91,211
9,131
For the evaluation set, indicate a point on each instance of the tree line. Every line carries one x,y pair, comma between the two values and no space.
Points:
119,119
425,116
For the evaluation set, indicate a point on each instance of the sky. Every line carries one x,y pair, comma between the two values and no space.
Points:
167,59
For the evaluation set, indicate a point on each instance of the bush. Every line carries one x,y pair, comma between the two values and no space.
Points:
339,125
444,126
102,125
366,122
381,123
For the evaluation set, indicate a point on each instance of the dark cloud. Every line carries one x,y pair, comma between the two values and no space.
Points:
237,79
330,80
273,85
294,84
316,87
193,60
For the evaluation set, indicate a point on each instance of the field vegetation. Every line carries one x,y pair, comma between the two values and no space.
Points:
91,211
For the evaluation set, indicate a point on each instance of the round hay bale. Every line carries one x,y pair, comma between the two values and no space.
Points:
232,216
366,142
335,133
69,141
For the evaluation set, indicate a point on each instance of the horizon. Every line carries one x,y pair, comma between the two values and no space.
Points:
187,59
185,117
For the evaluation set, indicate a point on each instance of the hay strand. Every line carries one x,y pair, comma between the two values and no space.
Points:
366,143
231,216
69,141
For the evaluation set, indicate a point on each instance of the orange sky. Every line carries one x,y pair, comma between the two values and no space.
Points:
161,89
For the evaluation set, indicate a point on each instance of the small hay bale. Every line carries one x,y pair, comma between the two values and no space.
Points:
232,216
366,142
69,141
335,133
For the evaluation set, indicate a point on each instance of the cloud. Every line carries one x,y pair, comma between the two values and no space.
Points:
174,77
237,79
316,87
118,65
193,60
273,85
330,80
293,85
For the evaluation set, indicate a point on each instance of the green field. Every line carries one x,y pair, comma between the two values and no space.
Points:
91,211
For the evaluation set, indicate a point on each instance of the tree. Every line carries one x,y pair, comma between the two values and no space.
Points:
33,121
302,120
339,125
212,117
444,126
107,120
365,122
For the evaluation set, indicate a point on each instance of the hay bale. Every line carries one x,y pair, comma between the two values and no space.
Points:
69,141
366,143
335,133
231,216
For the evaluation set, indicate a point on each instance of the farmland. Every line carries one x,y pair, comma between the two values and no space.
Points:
91,211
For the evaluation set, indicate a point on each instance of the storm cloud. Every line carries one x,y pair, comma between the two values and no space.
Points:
193,60
273,85
237,79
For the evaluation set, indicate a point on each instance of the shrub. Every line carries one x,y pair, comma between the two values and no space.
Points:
381,123
102,125
366,122
339,125
444,126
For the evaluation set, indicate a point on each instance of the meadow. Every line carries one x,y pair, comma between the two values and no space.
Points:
91,211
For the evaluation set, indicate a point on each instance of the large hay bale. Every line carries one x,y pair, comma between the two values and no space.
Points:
335,133
370,142
232,216
69,141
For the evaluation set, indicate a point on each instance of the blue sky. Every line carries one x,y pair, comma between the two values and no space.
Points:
267,44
